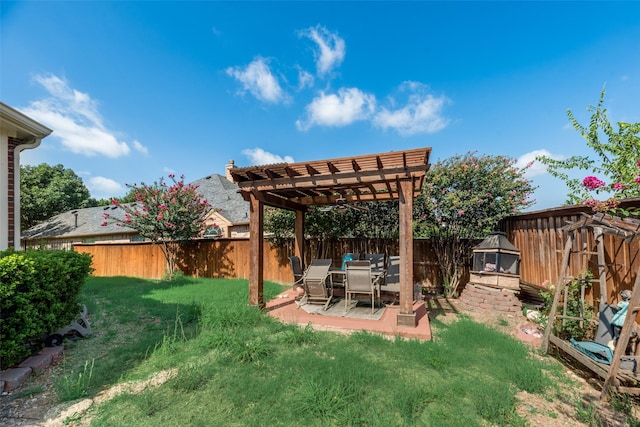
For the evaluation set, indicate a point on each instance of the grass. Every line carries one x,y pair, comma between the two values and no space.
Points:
238,367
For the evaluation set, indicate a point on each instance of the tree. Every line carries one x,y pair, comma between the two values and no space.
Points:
381,220
47,190
463,199
318,225
127,198
167,215
616,160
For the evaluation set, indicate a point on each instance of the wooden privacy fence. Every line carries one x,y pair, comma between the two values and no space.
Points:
230,258
538,235
541,240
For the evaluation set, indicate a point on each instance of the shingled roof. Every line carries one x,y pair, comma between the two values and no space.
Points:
77,223
221,193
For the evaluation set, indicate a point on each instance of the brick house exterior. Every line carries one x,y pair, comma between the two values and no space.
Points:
17,133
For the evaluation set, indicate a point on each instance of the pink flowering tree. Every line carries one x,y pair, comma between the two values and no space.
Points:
165,214
608,175
463,200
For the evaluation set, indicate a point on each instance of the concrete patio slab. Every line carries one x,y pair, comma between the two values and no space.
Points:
284,308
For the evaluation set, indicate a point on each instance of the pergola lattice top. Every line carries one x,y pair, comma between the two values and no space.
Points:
364,178
627,228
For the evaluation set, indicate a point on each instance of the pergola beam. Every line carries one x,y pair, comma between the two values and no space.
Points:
346,178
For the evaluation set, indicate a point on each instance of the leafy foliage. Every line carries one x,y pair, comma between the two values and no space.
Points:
47,190
166,215
380,220
575,307
464,198
38,295
318,225
616,164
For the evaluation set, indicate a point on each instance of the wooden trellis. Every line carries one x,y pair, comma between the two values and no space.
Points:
600,225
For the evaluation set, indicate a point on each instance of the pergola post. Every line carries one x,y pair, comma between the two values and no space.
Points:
406,315
299,237
256,252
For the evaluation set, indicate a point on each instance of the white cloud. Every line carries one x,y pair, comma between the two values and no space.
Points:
330,51
139,147
257,156
101,187
168,170
422,112
258,79
536,168
75,120
340,109
305,79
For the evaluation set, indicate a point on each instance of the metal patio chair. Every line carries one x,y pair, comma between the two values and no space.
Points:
361,280
317,283
392,278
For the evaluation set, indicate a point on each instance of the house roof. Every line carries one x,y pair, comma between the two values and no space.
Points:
219,191
223,194
25,128
76,223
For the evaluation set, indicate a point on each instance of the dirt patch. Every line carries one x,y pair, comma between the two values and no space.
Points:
43,410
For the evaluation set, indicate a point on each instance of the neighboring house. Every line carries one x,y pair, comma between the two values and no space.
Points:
77,226
17,133
228,218
230,214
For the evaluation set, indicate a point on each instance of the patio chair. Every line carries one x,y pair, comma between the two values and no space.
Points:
392,278
376,260
350,256
361,280
316,282
296,269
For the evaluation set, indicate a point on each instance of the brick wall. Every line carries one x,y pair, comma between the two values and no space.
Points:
493,299
11,208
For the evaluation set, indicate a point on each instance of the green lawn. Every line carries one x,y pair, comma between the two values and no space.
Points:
238,367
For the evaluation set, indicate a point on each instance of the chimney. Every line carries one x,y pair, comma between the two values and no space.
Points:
227,170
75,214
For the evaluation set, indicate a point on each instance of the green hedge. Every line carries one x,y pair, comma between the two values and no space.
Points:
39,294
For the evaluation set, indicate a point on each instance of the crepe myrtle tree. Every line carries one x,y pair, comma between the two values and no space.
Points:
165,214
612,171
463,200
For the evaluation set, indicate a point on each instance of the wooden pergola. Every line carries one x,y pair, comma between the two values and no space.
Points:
395,175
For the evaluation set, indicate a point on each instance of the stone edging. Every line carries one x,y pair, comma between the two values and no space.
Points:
13,378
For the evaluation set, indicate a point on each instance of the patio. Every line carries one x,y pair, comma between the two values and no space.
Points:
395,175
284,308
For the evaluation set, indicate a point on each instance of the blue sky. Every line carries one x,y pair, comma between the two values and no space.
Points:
137,90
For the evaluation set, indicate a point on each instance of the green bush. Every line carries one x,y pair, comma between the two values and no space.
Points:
39,293
575,307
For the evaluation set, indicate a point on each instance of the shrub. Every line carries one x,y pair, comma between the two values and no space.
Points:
575,308
39,293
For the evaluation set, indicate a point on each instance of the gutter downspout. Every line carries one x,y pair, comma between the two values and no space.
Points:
33,143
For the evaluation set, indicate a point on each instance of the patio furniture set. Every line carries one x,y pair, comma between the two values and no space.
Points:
370,276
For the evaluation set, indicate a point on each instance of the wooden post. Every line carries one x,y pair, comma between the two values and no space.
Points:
406,315
299,238
256,252
564,269
602,266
